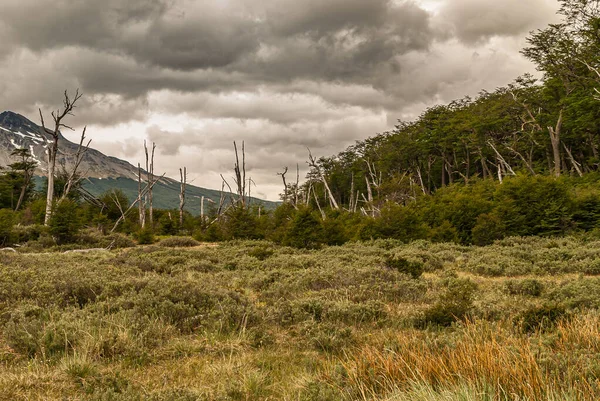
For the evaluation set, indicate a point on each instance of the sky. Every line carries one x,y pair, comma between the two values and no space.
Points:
281,75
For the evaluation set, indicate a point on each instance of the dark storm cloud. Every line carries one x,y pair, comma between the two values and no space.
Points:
331,40
479,20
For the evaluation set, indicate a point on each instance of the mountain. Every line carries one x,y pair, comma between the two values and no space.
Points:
101,172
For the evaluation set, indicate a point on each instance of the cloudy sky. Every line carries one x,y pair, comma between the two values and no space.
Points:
281,75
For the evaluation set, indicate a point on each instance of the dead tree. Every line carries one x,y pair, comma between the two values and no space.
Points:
141,208
313,163
296,188
576,165
555,142
351,202
502,163
52,147
285,187
240,175
73,176
150,177
183,175
138,200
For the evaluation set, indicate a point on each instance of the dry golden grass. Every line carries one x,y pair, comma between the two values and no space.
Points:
481,355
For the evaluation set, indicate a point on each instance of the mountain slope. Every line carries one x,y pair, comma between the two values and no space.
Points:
102,173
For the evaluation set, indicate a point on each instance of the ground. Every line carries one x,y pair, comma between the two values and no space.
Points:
381,320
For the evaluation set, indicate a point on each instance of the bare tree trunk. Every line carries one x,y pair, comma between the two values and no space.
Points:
574,162
23,190
81,151
52,148
138,200
351,201
202,209
183,174
313,163
421,180
240,175
296,189
141,209
150,177
285,188
555,141
501,161
323,215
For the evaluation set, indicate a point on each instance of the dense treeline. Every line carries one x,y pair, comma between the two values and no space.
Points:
520,160
546,127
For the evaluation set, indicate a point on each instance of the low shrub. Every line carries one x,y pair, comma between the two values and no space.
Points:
261,252
178,242
412,268
542,317
529,287
145,236
454,304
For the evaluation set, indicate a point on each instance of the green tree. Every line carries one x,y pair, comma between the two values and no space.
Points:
305,230
64,223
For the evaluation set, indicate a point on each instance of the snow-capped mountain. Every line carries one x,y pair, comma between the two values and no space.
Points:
102,172
17,131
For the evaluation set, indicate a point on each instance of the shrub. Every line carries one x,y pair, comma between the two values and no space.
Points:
487,229
6,225
64,223
445,232
531,287
261,252
175,242
540,317
24,234
145,236
412,268
454,304
305,231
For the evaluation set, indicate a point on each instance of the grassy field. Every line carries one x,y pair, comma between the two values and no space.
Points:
252,321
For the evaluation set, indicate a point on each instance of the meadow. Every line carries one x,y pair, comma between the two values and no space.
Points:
251,320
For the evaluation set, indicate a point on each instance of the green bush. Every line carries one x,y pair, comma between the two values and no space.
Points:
304,231
177,242
540,317
261,252
488,228
6,225
412,268
64,223
28,233
454,304
145,236
530,287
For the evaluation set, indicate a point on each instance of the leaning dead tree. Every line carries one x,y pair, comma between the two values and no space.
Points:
52,146
313,163
285,186
183,175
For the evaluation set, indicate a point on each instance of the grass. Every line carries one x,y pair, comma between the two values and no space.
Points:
255,321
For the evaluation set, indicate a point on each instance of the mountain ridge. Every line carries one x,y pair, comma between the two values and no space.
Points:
101,172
